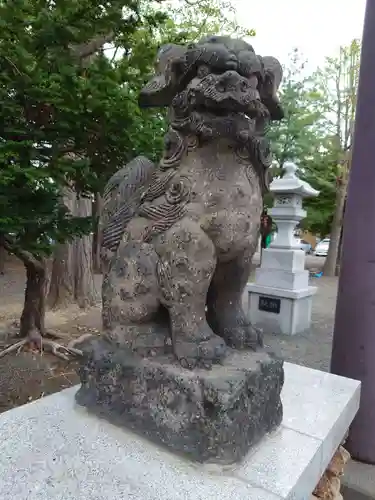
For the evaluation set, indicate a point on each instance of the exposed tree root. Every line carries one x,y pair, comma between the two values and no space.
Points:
15,347
42,344
80,339
51,334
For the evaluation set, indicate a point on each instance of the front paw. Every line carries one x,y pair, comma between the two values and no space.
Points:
243,337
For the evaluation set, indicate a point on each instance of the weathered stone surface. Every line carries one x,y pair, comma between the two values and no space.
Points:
329,485
177,241
178,236
210,415
338,462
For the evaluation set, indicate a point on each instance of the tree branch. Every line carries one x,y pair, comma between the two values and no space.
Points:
27,258
88,49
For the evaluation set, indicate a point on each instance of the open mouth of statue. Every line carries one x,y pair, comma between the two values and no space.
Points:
226,93
230,105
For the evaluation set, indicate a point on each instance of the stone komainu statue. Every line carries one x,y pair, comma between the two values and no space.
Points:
178,237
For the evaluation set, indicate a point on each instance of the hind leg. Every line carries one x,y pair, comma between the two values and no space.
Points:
132,314
225,314
186,265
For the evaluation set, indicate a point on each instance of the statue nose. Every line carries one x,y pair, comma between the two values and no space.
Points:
228,76
232,62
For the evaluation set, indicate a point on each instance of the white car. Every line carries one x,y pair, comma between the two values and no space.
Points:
321,249
304,245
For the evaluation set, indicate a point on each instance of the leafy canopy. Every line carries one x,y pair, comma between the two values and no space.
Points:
62,111
319,113
70,73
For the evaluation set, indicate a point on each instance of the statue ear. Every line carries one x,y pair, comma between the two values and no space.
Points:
273,73
161,89
273,68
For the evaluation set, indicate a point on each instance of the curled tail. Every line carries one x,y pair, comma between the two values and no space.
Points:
121,199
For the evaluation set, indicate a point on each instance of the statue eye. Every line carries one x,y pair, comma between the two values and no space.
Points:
203,71
140,288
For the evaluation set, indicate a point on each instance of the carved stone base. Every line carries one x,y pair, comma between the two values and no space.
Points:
329,485
211,416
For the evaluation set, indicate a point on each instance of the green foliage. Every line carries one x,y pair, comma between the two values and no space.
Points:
181,22
336,84
316,130
185,21
320,172
65,116
69,110
301,137
298,136
195,19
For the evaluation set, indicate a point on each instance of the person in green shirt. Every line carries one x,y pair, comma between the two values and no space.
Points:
265,229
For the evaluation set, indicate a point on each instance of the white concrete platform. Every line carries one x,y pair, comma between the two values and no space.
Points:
52,449
293,315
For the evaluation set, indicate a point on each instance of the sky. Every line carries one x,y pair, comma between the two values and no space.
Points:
317,28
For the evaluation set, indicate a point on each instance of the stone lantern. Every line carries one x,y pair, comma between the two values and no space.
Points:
280,299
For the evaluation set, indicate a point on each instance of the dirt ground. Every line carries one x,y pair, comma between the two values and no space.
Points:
28,375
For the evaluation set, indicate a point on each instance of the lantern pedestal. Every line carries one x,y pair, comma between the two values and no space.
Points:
280,300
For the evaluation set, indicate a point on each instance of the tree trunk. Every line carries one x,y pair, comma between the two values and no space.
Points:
97,234
72,277
338,263
33,313
334,245
61,289
85,293
3,254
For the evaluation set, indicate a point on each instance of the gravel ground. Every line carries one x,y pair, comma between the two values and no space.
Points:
312,348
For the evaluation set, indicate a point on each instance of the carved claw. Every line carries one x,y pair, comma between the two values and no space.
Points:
234,327
244,336
188,363
192,363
